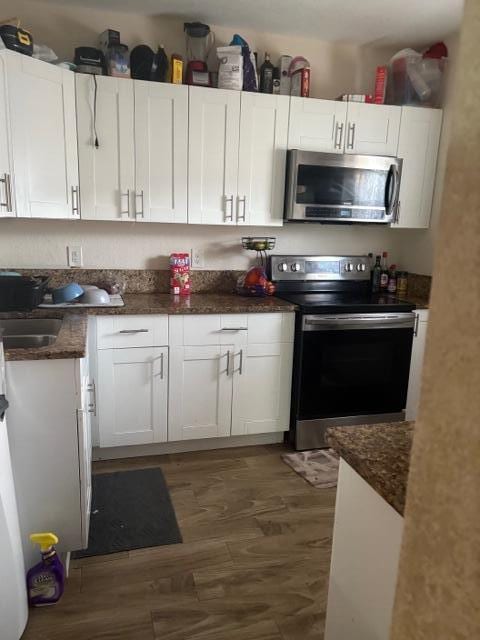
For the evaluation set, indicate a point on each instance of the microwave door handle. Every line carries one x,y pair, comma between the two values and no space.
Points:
388,190
396,193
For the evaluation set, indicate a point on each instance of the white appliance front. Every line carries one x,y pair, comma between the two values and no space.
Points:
13,592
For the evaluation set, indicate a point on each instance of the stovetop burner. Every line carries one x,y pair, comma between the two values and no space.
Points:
339,302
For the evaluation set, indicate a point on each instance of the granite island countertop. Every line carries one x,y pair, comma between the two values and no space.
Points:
72,338
380,454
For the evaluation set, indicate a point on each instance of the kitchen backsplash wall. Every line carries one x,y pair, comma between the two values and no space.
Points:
112,245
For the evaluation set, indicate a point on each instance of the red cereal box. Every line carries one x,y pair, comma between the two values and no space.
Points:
180,274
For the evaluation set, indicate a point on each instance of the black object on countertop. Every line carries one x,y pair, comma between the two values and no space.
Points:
130,510
22,293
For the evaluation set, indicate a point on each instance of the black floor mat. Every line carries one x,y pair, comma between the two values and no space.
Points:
130,510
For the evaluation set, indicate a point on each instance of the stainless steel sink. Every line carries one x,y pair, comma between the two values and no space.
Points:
29,333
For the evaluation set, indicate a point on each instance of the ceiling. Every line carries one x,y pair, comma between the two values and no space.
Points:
384,22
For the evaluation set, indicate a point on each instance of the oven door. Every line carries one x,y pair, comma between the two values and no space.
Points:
353,368
329,187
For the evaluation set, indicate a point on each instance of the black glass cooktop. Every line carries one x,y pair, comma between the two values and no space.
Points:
343,302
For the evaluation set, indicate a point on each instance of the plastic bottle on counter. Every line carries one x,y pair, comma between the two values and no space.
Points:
376,273
392,279
402,283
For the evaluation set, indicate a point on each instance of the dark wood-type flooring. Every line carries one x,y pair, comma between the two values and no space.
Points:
253,566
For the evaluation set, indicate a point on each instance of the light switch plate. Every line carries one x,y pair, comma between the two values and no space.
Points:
197,258
75,256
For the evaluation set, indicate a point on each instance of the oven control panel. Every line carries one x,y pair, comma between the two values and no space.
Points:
292,267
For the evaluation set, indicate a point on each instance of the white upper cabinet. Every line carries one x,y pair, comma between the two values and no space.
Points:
372,129
105,115
44,138
262,159
317,125
214,117
418,147
7,188
161,151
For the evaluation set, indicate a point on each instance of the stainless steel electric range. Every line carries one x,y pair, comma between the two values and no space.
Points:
352,348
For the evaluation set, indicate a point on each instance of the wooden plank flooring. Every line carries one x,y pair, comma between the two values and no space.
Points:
253,565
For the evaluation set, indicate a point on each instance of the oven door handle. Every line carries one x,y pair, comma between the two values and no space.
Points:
359,321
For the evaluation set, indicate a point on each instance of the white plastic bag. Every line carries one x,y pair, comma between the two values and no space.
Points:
230,71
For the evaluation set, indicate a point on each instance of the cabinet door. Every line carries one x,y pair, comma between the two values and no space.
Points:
200,399
372,129
317,125
213,139
161,147
262,159
416,364
132,396
262,387
105,113
44,137
7,192
418,147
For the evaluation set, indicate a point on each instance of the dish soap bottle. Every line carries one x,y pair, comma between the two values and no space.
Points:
46,580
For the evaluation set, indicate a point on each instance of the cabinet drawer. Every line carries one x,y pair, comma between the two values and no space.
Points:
211,329
264,328
117,332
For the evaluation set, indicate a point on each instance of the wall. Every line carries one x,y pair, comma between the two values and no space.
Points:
39,244
417,247
438,590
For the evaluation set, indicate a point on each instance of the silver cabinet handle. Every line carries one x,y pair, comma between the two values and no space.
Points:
234,329
92,406
350,135
161,366
141,212
228,362
241,201
127,196
338,135
228,216
75,201
353,134
8,193
134,331
240,368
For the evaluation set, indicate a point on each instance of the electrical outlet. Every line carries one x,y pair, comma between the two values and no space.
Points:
197,258
75,256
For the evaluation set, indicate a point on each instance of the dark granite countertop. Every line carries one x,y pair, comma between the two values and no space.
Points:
380,454
418,301
72,338
165,303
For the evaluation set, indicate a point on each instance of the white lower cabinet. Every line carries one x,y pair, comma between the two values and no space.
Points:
416,363
132,395
229,375
363,571
261,396
200,392
50,445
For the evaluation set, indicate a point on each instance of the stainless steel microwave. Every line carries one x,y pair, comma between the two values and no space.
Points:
331,187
